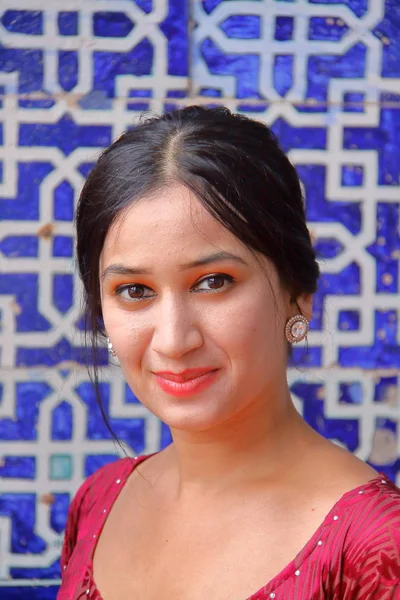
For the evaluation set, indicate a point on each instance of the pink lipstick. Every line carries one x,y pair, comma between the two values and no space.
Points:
186,383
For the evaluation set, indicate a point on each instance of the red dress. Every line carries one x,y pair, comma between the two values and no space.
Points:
354,554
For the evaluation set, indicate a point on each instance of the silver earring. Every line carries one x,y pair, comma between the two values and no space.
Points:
296,329
111,347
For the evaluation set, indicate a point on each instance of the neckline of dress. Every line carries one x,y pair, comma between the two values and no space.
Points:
287,571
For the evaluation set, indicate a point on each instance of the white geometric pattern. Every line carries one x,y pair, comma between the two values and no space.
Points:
357,139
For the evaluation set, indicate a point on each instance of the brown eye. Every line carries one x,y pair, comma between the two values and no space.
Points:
135,292
214,283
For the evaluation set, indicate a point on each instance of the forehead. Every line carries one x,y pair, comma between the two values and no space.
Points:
172,222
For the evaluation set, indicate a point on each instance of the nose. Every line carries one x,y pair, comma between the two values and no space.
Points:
175,332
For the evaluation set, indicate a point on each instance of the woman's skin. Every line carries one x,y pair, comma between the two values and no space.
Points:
246,482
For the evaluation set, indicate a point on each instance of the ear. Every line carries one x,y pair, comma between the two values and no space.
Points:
303,305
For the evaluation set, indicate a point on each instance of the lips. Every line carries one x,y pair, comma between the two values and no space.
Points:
188,383
183,376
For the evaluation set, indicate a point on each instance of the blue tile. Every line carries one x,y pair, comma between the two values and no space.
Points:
68,69
106,65
348,320
385,139
140,93
27,63
145,5
51,572
283,73
359,7
93,462
345,431
21,507
176,29
63,202
244,68
58,512
322,69
25,291
131,431
36,102
326,28
109,65
28,397
260,107
352,175
310,357
68,22
29,22
25,205
385,352
326,248
242,26
284,28
353,102
35,592
291,137
59,352
111,24
388,32
319,209
65,135
143,106
166,437
346,282
63,246
62,422
177,94
63,292
386,247
20,467
214,93
20,246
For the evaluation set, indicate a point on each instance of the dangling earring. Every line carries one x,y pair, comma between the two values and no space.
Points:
296,329
111,347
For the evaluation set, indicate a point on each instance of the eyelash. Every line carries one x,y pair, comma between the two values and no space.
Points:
228,278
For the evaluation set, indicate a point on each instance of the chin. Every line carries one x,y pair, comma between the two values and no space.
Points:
193,417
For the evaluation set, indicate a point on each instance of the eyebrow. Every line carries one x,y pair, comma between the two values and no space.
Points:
119,269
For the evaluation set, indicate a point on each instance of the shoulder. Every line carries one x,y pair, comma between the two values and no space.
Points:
371,552
99,483
96,488
377,508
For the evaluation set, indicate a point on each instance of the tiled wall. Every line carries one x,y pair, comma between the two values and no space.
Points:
325,75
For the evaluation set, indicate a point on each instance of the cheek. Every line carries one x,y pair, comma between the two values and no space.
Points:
256,332
128,332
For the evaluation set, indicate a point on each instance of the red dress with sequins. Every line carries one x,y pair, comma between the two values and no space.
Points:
354,554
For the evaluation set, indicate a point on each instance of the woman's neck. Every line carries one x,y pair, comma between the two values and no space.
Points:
258,445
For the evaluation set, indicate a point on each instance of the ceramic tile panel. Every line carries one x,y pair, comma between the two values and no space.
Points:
325,75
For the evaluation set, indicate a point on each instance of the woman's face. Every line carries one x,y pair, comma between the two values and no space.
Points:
196,320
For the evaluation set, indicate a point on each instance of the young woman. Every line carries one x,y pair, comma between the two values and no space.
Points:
197,265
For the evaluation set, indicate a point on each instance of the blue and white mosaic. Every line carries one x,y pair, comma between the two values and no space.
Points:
325,75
